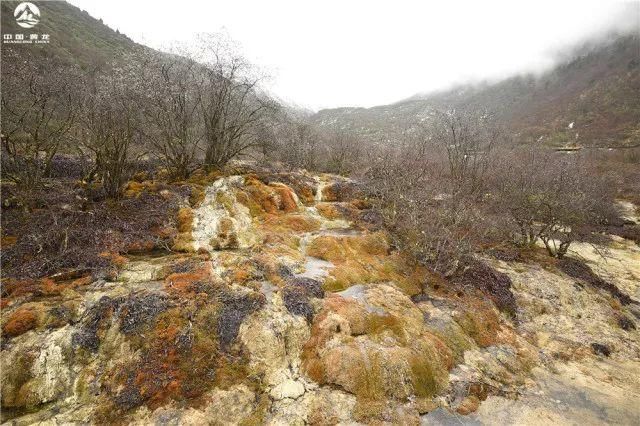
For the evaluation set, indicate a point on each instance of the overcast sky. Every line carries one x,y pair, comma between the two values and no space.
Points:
330,53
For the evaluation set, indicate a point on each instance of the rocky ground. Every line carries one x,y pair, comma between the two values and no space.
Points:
283,301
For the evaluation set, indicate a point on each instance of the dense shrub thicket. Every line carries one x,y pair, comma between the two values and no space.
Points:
458,189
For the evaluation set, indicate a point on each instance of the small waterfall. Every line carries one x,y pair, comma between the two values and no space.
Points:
321,186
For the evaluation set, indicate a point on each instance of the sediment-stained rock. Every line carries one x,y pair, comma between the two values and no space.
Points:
221,221
291,307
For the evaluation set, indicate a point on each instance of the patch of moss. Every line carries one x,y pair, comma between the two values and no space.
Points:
188,284
426,379
480,321
369,384
23,319
364,268
135,188
306,194
259,414
290,223
185,219
117,260
226,236
183,241
225,200
203,178
196,195
261,198
249,202
7,241
45,287
377,324
16,379
330,248
456,340
274,239
328,211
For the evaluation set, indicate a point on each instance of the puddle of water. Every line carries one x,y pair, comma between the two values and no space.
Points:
315,268
340,232
443,417
140,271
354,292
267,289
326,224
357,292
107,287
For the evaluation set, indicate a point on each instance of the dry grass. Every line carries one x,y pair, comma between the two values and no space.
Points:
328,211
366,259
134,188
288,223
480,321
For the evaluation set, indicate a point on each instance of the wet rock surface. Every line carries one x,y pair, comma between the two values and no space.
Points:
283,302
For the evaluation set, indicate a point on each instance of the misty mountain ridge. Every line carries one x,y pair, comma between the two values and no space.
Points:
595,85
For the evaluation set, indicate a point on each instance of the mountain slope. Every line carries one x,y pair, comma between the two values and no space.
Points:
75,36
597,89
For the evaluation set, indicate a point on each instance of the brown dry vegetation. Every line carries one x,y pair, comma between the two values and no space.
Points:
64,228
366,258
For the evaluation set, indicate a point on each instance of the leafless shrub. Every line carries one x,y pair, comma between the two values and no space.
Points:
39,107
230,103
70,166
551,197
298,144
169,101
468,139
296,295
342,152
496,285
435,227
235,308
109,127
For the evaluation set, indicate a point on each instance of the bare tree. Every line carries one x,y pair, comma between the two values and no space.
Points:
170,104
299,143
343,151
552,198
230,103
468,138
38,109
439,231
109,127
428,196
